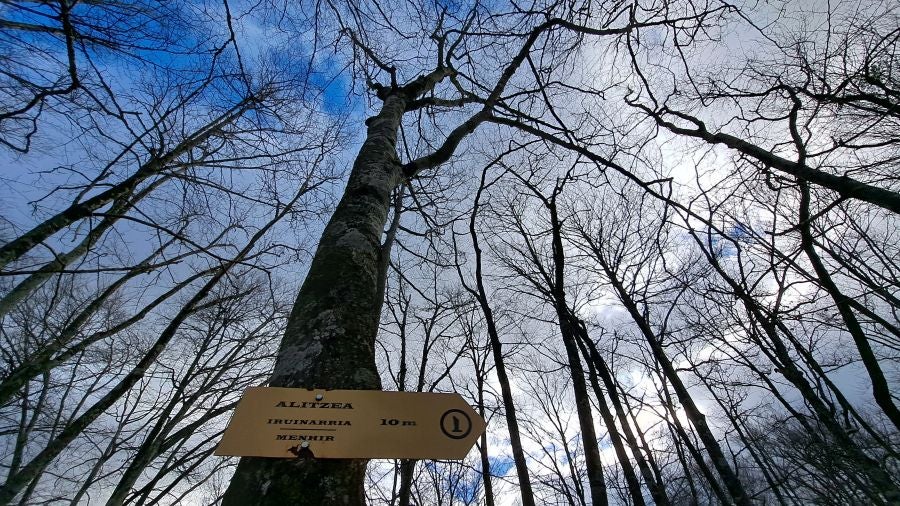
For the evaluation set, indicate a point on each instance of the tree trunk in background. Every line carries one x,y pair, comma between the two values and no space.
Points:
631,480
657,490
568,328
881,390
407,467
694,415
330,336
486,478
509,407
791,371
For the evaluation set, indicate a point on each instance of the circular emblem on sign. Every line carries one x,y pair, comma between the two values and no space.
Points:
456,424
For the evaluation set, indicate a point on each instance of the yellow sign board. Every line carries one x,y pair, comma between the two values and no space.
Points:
339,424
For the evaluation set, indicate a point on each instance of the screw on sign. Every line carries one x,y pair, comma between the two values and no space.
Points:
291,422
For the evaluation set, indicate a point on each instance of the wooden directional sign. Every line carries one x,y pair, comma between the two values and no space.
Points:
288,422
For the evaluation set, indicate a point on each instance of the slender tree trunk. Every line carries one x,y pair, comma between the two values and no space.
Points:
697,419
508,405
158,442
648,452
730,409
486,476
568,328
881,391
696,454
407,467
97,467
593,466
634,486
791,372
53,354
657,491
500,364
33,281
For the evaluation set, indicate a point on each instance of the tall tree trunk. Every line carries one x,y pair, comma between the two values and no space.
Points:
881,391
330,337
657,491
629,411
696,417
568,327
696,454
634,486
509,408
508,405
486,476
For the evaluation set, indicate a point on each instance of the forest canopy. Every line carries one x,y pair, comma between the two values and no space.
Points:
653,243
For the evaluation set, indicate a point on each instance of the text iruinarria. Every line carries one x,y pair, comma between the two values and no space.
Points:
279,421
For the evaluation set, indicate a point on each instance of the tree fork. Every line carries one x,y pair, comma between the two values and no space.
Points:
330,337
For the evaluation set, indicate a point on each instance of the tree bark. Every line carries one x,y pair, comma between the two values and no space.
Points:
330,337
407,466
